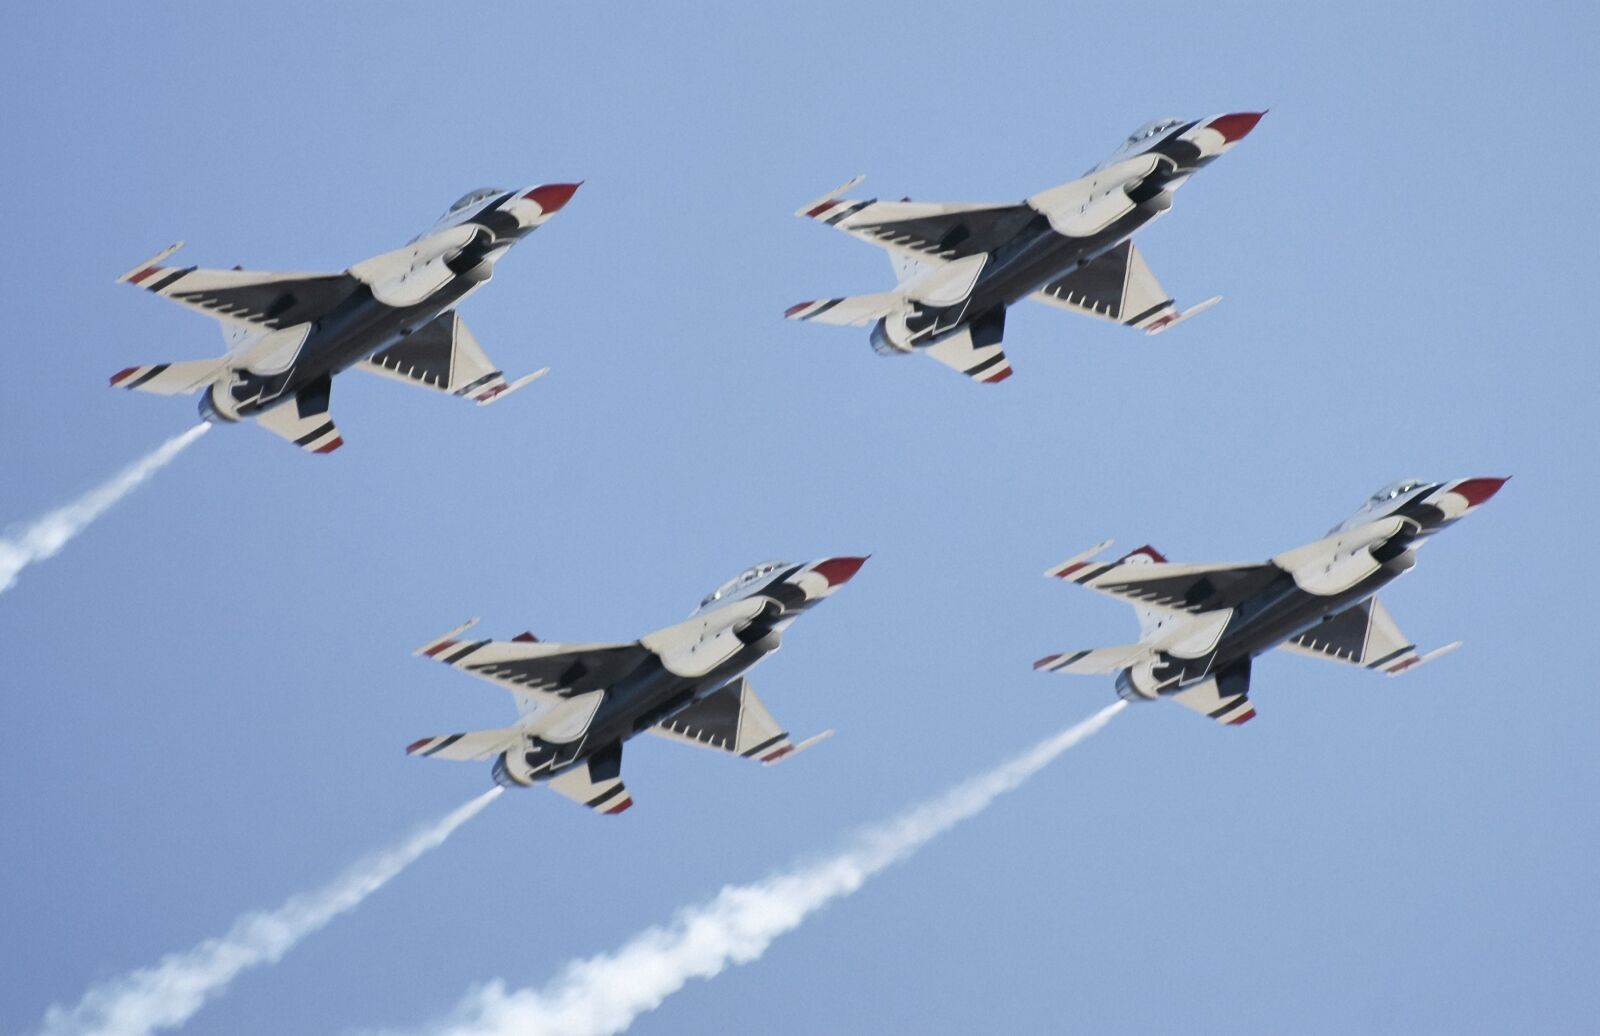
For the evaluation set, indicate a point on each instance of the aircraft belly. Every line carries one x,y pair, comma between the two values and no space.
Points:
357,328
1288,613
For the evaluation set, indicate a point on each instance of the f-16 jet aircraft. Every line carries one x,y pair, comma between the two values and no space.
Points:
959,266
1200,625
580,702
394,314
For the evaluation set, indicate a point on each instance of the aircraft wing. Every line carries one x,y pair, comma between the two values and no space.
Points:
922,229
1177,588
539,673
1118,286
245,298
1365,635
732,720
445,356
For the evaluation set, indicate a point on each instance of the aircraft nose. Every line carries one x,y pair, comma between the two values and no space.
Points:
1236,126
551,197
1477,490
837,571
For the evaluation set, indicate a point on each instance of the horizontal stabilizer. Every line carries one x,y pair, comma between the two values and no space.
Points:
849,311
304,420
171,379
468,747
1098,660
596,782
985,363
1209,700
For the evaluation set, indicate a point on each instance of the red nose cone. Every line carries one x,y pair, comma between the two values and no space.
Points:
1236,126
552,196
1476,490
837,571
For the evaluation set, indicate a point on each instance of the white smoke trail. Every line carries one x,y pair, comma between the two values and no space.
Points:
168,995
605,994
46,536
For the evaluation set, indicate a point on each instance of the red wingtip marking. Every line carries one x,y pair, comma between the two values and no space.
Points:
779,754
1074,567
819,208
996,379
144,274
1235,126
838,571
415,745
797,307
1401,667
1246,718
1046,660
122,375
525,638
625,805
334,445
552,197
431,652
1476,490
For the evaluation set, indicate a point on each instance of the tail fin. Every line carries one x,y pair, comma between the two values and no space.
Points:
170,379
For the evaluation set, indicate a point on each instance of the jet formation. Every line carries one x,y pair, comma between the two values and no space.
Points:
1201,625
579,703
395,314
961,266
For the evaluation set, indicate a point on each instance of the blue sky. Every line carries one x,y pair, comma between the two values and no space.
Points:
209,692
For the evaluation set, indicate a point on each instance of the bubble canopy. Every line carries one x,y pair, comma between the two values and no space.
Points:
743,579
1395,490
466,201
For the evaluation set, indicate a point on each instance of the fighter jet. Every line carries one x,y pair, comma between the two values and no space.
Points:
580,702
1200,625
394,314
960,266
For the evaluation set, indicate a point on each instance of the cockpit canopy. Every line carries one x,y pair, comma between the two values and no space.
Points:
1152,129
753,574
1395,490
477,197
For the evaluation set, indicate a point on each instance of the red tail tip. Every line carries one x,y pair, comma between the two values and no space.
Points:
525,638
552,197
1236,126
838,571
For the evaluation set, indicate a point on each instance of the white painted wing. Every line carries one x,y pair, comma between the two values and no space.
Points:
1364,635
734,720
